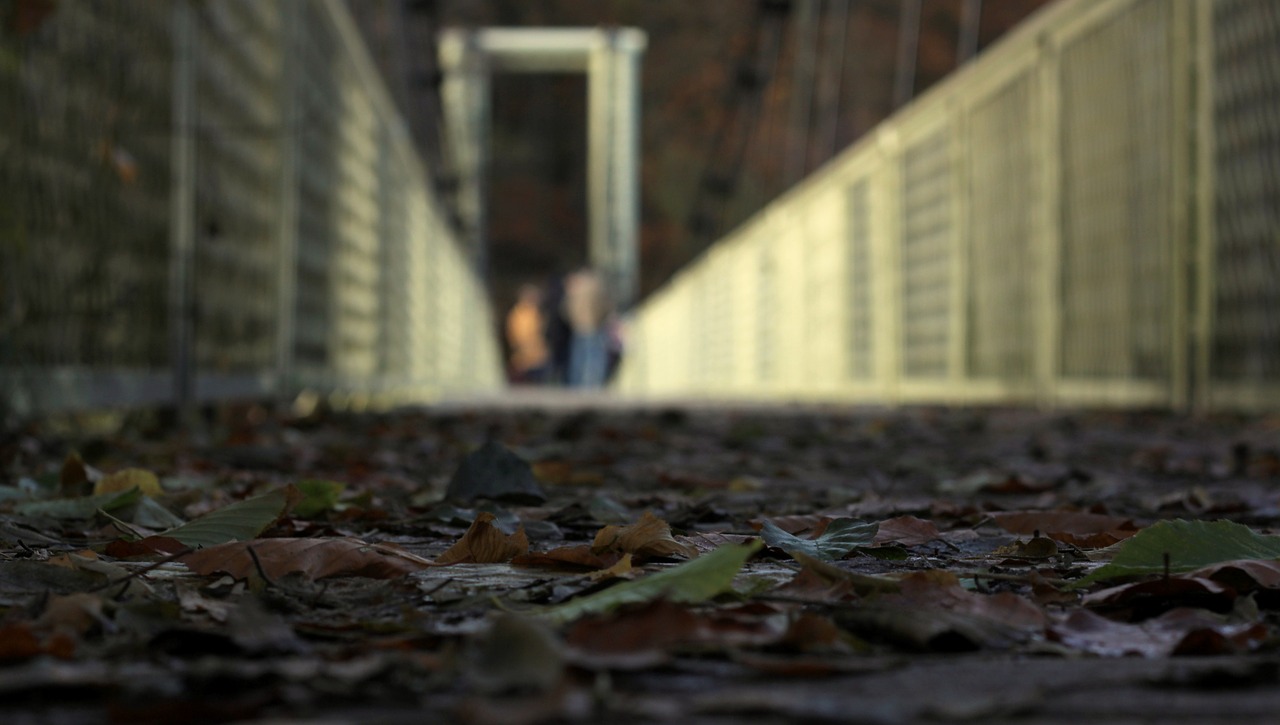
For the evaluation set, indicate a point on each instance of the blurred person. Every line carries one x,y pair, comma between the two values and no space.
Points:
556,330
587,309
528,361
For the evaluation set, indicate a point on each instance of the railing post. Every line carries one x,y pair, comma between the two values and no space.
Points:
287,229
1204,279
182,201
1048,224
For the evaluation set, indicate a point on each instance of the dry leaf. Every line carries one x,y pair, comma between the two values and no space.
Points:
620,570
905,530
485,543
650,536
574,557
314,558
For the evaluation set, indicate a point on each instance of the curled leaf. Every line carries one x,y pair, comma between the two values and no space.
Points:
650,536
485,543
840,537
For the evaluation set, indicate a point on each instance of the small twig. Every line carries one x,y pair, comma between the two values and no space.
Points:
257,563
443,583
145,570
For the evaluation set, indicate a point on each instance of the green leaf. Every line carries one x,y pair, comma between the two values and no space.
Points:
690,582
318,496
1189,545
237,522
84,507
841,537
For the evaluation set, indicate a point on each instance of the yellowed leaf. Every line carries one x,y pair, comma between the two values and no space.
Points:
126,479
621,570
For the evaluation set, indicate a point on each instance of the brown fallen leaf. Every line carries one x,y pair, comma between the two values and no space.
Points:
1078,528
1178,631
145,547
313,558
1075,522
485,543
643,635
905,530
1147,598
933,612
650,536
76,478
1243,575
572,557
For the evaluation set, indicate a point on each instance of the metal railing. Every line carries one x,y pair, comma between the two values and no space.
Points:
208,199
1089,214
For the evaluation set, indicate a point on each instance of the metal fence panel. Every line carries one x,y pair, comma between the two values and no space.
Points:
1085,215
1245,350
927,248
1001,194
238,126
218,199
84,236
861,325
1117,106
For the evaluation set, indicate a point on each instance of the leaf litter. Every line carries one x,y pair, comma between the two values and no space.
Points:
413,561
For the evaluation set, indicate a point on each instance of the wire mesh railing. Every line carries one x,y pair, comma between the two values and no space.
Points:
1088,214
217,199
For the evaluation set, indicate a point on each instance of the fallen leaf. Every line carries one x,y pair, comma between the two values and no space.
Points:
1180,546
645,634
840,537
79,508
313,558
494,472
76,478
633,638
1071,522
148,546
1076,528
650,536
1037,547
905,530
317,496
620,570
127,479
1185,631
484,543
573,557
1244,574
931,611
860,583
1148,598
695,580
238,521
